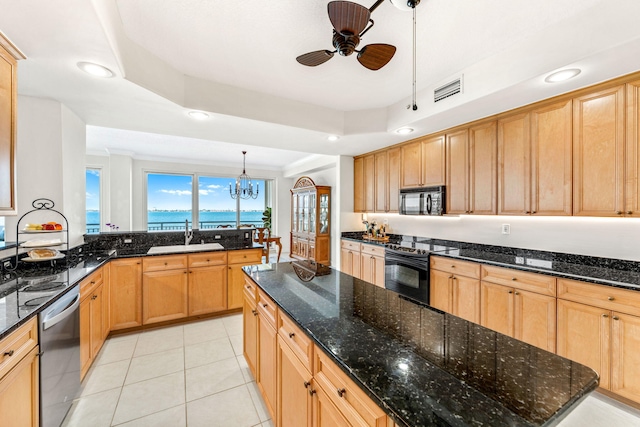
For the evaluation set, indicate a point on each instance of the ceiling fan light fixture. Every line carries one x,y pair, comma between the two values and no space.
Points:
198,115
405,4
562,75
96,70
333,138
404,130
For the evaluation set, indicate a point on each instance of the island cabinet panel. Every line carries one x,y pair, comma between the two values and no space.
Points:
235,277
165,296
294,389
250,326
598,153
125,293
297,340
207,289
267,355
325,413
358,189
349,399
514,163
632,151
350,258
8,108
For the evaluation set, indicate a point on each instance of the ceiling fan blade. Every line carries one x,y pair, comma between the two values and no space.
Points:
312,59
376,56
348,17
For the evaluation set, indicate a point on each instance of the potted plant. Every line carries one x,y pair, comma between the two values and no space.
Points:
266,218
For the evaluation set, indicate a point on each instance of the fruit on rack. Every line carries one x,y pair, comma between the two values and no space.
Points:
48,227
33,227
42,253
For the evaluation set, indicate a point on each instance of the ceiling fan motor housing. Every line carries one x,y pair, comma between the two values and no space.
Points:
345,43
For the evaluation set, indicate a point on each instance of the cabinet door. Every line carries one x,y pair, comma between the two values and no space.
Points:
411,165
625,356
483,162
358,184
535,319
19,393
393,179
632,151
598,153
514,165
8,85
378,271
97,330
106,304
207,289
433,161
458,172
165,296
369,183
381,191
235,282
85,335
350,262
267,349
372,269
440,290
325,412
497,308
126,293
551,157
294,401
465,298
584,337
250,334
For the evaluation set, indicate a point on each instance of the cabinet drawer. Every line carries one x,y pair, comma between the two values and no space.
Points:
353,403
90,283
296,340
250,290
463,268
267,308
208,258
245,257
607,297
17,345
538,283
160,263
374,250
349,245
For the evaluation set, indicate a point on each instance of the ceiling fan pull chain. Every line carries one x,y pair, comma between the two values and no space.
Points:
415,106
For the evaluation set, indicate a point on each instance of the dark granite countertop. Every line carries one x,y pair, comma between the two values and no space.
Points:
598,270
421,365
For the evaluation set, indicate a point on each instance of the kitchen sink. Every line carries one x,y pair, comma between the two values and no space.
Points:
185,248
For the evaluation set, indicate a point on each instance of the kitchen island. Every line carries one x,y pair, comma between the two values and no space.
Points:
420,365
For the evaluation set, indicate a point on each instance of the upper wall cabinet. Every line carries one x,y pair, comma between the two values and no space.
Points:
471,170
598,159
534,161
8,96
632,152
423,162
377,181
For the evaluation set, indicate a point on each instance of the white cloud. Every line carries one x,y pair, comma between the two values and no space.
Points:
215,186
177,192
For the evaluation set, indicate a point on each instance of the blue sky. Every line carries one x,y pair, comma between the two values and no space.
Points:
93,189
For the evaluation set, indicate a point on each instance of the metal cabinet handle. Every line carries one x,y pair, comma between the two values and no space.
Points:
629,212
615,318
510,292
265,305
618,212
94,297
291,335
533,212
453,266
312,392
93,282
254,312
341,392
514,278
166,263
517,293
9,353
610,298
307,384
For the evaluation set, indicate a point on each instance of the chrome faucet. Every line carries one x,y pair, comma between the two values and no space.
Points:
188,234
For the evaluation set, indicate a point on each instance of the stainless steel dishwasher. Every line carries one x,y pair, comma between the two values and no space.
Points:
59,326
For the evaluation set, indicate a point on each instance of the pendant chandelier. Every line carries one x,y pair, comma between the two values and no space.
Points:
244,187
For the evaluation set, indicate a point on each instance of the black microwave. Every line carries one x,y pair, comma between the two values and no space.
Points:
423,201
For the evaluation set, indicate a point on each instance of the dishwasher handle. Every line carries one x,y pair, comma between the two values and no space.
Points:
48,322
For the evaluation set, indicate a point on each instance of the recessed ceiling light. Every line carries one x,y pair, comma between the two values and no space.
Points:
198,115
333,138
404,131
562,75
95,69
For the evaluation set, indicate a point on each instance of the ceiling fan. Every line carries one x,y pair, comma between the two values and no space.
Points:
350,22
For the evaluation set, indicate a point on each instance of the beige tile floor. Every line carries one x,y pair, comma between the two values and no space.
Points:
192,374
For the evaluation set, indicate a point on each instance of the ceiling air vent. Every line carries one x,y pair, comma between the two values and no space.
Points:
447,90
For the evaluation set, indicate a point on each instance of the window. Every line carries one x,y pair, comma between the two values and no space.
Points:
1,229
93,200
169,201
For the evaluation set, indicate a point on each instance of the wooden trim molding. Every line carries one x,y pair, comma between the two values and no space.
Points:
11,48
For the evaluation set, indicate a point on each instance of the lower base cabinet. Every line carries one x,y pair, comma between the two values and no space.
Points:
294,389
326,413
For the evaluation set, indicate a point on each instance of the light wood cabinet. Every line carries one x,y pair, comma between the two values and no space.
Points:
598,153
358,189
92,319
250,326
19,381
370,181
350,258
423,162
164,288
372,264
311,221
125,293
387,180
235,276
294,388
325,413
267,351
454,287
632,151
207,291
8,124
471,170
534,162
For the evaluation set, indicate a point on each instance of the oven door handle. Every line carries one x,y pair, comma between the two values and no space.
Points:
48,322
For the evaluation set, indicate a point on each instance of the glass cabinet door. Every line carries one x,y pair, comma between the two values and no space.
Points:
305,212
294,212
324,213
312,213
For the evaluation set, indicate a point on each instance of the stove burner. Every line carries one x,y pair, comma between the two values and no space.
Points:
398,248
34,302
44,287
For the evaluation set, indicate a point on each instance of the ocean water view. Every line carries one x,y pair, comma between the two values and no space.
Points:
174,220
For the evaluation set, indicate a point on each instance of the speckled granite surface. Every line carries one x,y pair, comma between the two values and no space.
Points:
422,366
604,271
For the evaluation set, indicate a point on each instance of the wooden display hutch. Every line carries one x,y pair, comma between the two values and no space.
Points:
311,221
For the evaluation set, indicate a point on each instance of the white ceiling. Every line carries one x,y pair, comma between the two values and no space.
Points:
236,60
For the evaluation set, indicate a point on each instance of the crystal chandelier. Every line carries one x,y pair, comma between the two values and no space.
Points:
244,187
